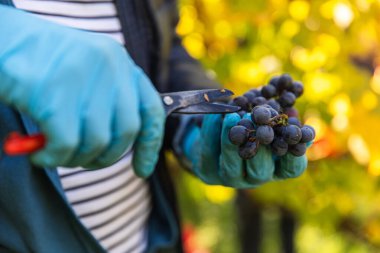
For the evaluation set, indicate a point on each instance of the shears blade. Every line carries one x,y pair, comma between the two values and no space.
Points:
208,108
179,101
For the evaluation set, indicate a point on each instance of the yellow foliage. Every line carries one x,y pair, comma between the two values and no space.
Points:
320,86
327,9
369,100
308,60
372,230
375,81
222,29
289,28
340,105
250,72
329,44
374,165
359,149
343,14
247,42
195,45
219,194
299,10
188,19
340,122
366,149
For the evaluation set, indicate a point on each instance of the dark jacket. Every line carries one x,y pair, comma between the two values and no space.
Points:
34,213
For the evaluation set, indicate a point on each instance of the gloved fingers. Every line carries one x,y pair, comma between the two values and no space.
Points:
96,120
124,128
246,116
208,149
62,139
261,167
93,142
149,140
231,169
290,166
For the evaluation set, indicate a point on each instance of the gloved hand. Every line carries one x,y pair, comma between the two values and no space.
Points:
83,90
215,160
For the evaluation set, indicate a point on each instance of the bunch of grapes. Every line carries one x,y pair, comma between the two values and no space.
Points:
273,120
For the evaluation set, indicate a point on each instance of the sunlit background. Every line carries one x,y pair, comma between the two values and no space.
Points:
333,48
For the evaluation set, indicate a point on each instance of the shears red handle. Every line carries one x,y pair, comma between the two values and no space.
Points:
183,102
18,144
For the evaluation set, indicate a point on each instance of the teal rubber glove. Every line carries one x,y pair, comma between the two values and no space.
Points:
83,90
215,160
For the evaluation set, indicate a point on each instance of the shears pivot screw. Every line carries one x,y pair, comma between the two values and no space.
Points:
168,100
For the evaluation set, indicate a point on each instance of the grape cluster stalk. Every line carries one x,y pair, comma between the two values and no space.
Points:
272,120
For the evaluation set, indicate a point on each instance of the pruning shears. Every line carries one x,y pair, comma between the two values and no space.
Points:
183,102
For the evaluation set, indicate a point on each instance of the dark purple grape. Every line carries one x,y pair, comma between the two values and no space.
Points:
287,99
266,106
278,130
250,96
298,149
284,82
294,121
273,120
242,102
292,134
261,115
274,81
308,134
312,128
258,101
264,134
279,146
297,88
274,104
269,91
256,92
291,112
273,112
248,150
247,123
238,135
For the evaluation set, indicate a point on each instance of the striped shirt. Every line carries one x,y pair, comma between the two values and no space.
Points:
90,15
112,203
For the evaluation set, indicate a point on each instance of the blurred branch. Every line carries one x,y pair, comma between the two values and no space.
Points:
366,62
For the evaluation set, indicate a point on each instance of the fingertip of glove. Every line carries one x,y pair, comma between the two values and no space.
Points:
143,168
291,166
247,116
232,117
42,160
230,120
309,144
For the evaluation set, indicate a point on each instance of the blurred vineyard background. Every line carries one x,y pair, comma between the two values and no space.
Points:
333,48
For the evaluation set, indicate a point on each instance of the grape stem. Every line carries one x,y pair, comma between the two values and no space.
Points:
281,119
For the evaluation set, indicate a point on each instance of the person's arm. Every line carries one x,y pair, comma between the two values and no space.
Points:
207,150
83,90
186,73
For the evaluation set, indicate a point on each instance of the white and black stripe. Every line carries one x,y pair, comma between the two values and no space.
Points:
90,15
113,203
